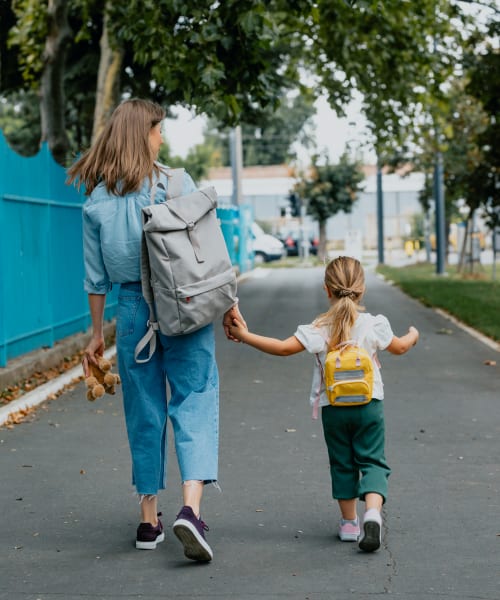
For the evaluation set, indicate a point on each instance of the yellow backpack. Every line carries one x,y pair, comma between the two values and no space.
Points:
348,375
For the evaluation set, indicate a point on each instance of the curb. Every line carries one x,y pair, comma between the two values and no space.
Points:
472,332
42,392
45,358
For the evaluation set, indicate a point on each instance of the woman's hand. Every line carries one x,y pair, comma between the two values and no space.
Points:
94,349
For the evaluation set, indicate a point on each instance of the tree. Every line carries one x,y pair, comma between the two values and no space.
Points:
52,97
461,122
196,163
234,60
108,77
328,189
20,121
484,85
384,51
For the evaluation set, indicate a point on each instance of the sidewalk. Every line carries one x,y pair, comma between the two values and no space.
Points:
69,514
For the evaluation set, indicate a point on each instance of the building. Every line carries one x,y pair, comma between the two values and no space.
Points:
266,189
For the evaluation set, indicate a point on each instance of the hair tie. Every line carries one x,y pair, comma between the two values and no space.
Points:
346,293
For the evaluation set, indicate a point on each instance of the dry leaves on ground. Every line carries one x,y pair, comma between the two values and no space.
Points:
15,391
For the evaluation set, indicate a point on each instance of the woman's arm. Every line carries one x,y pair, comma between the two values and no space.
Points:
96,345
401,345
291,345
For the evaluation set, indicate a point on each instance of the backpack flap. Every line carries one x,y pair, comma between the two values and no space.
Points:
181,213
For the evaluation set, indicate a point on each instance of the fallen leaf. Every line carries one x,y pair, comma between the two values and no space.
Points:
445,331
490,363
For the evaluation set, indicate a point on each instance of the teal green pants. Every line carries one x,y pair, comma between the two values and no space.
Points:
355,437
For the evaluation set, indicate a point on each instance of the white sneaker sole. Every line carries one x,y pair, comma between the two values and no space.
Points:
149,545
195,547
349,537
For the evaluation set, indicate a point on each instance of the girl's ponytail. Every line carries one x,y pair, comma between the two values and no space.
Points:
345,283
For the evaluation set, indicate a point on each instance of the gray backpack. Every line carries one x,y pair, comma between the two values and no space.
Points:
187,277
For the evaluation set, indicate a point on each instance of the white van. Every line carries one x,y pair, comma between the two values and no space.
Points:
266,247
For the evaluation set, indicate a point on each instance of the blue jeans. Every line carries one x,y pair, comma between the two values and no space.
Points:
188,363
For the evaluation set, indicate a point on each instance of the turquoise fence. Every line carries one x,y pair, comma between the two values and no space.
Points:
41,264
236,222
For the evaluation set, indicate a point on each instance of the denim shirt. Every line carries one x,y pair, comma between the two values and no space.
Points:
112,231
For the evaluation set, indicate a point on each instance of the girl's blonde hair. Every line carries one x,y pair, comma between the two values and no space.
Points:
121,156
345,283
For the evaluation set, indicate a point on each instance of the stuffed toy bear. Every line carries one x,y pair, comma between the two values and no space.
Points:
101,380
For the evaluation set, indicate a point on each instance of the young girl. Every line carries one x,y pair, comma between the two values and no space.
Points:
354,435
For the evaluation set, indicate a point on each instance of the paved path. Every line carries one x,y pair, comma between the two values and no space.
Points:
69,515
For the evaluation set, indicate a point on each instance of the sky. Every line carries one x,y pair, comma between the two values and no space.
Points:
332,133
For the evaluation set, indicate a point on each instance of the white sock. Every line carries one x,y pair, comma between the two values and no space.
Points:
372,514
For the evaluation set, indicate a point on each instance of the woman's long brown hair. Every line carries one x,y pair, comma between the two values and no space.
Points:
345,282
121,156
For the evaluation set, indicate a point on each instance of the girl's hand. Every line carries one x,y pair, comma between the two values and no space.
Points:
94,349
414,332
238,328
227,321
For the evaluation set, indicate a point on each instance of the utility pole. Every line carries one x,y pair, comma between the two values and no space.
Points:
380,215
440,213
244,213
441,241
236,164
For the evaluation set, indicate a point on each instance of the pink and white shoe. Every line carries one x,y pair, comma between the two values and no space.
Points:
349,530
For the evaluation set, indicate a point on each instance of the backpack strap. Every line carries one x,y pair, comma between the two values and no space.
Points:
149,339
174,189
318,391
175,182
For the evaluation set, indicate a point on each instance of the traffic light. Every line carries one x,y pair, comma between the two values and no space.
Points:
295,203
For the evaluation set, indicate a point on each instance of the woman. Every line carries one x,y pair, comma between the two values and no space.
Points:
118,172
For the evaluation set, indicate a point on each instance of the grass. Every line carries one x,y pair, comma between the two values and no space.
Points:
475,302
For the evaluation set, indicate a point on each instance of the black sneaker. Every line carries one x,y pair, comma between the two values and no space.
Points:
191,532
148,535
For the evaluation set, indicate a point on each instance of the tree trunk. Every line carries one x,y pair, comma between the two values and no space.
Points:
322,252
108,80
52,97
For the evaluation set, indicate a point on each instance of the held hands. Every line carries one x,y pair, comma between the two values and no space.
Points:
227,321
238,329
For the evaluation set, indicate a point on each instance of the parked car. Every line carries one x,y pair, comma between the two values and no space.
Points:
266,247
291,242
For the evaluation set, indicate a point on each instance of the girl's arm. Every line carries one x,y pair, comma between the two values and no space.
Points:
269,345
400,345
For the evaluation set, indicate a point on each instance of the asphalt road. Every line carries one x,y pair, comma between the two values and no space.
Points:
69,513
